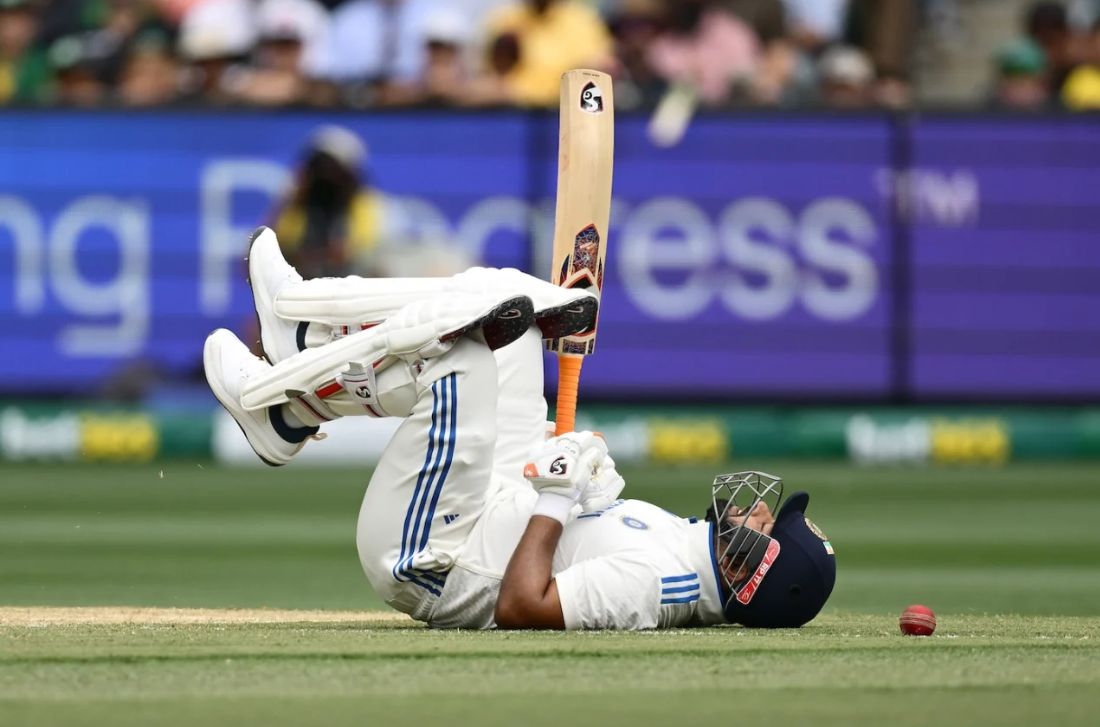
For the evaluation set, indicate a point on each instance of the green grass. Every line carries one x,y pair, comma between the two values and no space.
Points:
1024,539
1022,542
843,670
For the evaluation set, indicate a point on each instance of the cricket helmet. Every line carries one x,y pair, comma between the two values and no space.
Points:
777,581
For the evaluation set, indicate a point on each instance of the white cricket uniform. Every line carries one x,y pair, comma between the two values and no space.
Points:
632,565
447,505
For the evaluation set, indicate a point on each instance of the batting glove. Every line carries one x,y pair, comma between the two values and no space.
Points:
604,488
561,473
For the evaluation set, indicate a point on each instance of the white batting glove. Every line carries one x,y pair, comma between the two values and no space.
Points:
561,473
604,488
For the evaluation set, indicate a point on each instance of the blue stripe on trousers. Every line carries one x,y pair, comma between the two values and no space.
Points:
445,421
419,485
433,477
450,448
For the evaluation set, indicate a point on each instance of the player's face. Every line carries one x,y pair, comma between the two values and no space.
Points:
760,518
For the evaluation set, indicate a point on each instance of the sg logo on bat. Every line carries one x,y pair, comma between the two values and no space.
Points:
592,99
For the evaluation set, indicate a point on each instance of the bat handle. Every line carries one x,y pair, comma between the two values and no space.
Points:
569,378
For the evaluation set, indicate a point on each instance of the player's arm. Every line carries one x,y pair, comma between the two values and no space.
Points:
528,595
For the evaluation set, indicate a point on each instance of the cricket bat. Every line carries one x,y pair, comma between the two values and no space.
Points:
586,149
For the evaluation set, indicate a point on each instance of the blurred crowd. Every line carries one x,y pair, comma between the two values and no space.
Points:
376,53
1055,62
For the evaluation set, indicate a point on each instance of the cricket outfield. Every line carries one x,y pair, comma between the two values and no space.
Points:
291,634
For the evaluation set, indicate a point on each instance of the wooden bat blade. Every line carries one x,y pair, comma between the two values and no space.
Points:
585,159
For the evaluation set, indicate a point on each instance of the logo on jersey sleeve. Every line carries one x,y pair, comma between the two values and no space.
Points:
633,523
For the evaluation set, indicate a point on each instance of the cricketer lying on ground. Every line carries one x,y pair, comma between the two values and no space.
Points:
470,473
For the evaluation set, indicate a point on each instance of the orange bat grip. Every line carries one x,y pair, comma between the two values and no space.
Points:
569,378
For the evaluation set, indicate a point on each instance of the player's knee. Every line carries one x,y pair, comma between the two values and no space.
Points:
474,366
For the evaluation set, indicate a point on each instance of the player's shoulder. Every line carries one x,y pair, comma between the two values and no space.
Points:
654,514
636,517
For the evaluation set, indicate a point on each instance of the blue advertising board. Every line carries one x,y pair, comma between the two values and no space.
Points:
756,258
1006,259
121,236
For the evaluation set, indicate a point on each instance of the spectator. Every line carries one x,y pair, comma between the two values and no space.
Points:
308,22
1082,89
24,70
287,31
784,75
150,76
1048,25
122,19
215,38
1021,77
847,78
813,24
446,78
76,69
634,26
552,36
494,86
333,222
706,47
373,41
884,28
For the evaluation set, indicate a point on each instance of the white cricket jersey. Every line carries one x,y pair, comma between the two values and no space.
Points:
630,566
634,565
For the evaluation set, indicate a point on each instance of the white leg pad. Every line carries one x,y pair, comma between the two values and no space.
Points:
543,294
419,330
354,300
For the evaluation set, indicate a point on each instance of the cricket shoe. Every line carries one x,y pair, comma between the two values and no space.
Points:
269,274
229,365
558,311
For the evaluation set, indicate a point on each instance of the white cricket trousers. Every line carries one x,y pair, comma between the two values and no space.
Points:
448,503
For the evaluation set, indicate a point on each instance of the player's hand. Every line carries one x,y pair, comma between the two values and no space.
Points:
564,466
604,488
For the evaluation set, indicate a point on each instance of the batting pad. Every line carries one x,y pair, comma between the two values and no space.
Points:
414,331
353,300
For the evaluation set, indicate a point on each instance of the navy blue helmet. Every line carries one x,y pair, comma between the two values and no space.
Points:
781,580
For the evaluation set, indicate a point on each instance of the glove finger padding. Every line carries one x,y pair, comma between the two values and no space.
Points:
604,487
563,470
585,440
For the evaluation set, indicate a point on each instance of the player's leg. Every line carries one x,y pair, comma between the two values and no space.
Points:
373,367
521,406
433,481
295,314
323,310
270,276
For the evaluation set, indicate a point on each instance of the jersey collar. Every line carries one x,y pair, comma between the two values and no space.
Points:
701,555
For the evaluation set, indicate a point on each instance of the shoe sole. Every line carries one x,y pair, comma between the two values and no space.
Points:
503,325
248,265
222,396
568,320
